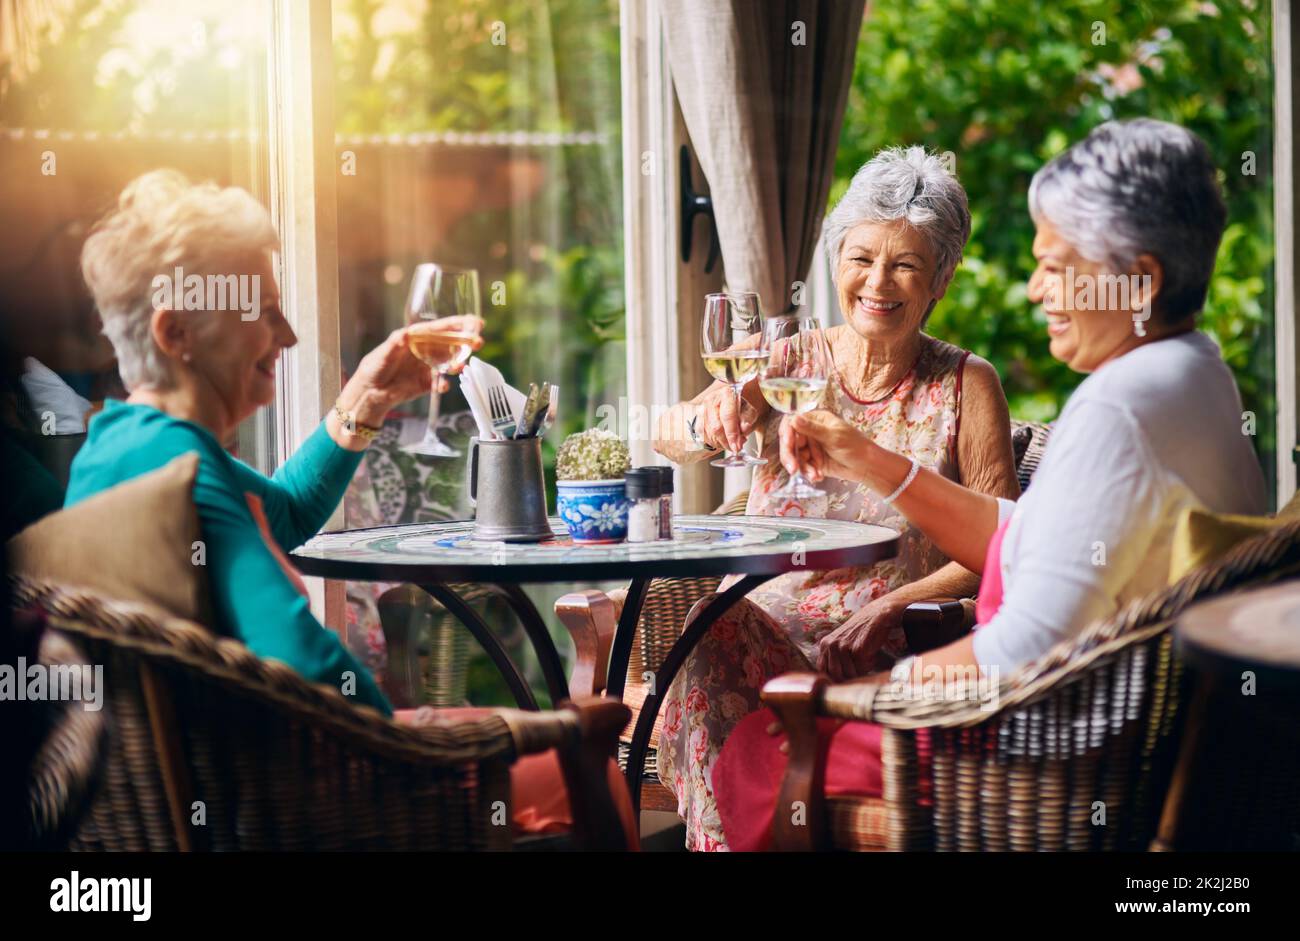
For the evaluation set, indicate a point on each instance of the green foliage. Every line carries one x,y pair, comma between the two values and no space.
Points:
93,74
1007,84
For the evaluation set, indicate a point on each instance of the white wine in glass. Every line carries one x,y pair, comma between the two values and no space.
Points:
440,350
734,350
794,380
439,291
792,395
735,367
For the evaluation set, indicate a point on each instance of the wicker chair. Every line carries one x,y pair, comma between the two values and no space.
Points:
65,744
592,616
1074,752
210,747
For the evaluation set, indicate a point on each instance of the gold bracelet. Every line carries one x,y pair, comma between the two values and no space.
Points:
354,427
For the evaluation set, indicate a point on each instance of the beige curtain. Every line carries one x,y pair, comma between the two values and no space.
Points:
762,87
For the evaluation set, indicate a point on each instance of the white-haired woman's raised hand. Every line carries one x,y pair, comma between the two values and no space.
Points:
389,374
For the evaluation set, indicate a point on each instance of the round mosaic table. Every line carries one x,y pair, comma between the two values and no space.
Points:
434,555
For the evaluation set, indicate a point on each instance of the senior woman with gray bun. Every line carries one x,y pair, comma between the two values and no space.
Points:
1128,224
895,239
194,374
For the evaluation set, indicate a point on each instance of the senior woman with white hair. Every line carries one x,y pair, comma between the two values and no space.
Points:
896,238
194,375
1128,224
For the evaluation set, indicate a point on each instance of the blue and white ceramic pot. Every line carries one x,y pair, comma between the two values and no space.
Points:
595,511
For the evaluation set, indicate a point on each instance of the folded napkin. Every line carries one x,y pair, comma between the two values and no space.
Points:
475,379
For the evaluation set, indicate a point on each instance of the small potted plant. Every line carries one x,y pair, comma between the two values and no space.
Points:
589,489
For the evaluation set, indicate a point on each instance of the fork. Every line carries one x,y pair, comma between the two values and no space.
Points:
503,419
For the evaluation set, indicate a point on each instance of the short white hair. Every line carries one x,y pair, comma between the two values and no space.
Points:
1136,187
163,221
911,184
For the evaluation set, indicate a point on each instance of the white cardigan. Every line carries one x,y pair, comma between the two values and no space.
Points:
1155,431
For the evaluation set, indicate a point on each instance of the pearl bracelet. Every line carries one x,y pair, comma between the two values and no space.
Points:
911,476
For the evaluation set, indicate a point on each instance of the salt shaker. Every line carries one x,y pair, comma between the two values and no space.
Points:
643,489
665,501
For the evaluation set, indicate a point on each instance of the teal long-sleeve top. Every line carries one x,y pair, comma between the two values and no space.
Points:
253,598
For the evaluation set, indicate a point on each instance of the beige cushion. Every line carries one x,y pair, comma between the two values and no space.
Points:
133,542
1201,537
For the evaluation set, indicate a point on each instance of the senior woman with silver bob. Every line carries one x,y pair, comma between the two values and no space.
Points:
895,238
1154,429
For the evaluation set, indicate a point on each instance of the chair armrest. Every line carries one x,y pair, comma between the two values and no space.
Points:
928,625
799,823
586,765
591,618
584,735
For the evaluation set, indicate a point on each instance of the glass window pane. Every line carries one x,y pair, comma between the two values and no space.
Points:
92,95
481,134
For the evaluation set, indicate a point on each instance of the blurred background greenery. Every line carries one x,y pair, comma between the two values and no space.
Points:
1005,85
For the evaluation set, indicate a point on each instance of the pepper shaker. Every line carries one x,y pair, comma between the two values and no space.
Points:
666,501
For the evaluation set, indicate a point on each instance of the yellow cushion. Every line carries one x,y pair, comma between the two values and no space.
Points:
1202,536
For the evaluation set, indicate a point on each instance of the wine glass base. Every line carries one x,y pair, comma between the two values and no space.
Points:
731,460
752,461
798,499
432,447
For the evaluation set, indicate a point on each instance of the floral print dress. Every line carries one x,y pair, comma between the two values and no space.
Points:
776,627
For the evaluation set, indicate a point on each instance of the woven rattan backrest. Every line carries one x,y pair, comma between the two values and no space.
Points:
1028,440
213,748
1093,725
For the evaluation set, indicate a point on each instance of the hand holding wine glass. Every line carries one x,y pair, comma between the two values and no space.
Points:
794,380
733,350
442,312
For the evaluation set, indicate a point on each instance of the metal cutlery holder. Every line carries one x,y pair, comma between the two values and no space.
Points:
508,489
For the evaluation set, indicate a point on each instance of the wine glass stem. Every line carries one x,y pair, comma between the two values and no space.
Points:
740,408
434,399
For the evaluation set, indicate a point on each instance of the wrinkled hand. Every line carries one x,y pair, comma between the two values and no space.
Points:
851,650
389,375
820,444
721,424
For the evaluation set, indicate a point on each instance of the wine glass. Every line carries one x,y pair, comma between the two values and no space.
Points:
733,352
439,291
794,380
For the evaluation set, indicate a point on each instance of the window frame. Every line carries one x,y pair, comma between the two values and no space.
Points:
1286,165
663,293
304,208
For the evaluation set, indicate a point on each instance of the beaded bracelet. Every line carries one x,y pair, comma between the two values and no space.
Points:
911,476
